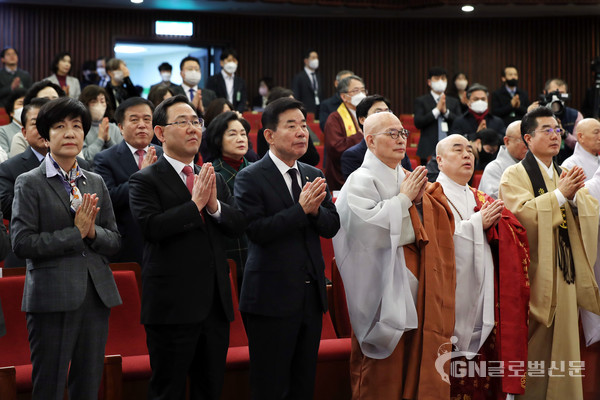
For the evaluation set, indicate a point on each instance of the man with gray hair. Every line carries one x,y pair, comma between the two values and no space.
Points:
400,291
342,130
331,104
477,117
513,151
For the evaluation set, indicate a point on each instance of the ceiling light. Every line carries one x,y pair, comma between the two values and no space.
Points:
137,1
127,49
466,8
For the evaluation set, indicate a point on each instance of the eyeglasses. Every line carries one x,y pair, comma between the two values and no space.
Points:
550,131
355,91
395,133
196,123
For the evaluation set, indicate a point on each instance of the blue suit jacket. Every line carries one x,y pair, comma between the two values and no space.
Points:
115,165
283,240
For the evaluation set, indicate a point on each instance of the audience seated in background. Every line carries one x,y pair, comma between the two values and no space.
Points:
306,84
509,102
11,76
331,104
61,66
587,148
311,157
264,88
485,147
158,93
342,130
120,87
103,133
434,113
353,158
117,163
513,151
226,84
101,70
478,116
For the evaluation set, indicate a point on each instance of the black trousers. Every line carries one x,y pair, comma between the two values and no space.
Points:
197,351
284,351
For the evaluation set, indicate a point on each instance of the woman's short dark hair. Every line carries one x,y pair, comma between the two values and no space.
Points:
215,108
14,96
57,110
216,130
35,104
270,117
157,94
38,86
91,92
59,56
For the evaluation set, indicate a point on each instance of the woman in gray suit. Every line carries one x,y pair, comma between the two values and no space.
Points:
63,224
61,66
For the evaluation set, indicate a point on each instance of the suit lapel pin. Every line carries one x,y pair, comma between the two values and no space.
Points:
84,183
306,178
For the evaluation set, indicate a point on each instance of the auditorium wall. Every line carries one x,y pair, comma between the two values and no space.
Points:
392,54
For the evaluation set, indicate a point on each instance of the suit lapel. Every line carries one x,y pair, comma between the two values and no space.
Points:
222,84
275,179
58,188
126,159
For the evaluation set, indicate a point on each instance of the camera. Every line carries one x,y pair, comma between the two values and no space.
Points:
554,101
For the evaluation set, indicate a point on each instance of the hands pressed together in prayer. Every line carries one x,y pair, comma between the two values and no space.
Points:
312,195
414,184
85,217
491,213
150,157
571,181
204,192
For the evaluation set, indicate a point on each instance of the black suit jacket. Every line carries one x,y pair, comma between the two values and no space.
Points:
283,240
115,165
216,83
303,90
502,108
15,166
427,123
183,256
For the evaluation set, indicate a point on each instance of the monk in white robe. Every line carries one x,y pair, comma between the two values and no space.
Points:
561,219
587,148
379,209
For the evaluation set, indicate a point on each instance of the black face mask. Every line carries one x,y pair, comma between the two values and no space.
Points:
512,82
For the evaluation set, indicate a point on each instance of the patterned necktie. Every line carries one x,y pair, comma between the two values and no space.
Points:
141,153
295,187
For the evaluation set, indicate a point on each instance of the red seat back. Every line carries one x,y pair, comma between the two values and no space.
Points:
14,346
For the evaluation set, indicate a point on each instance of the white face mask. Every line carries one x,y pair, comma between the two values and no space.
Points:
479,106
313,64
166,76
97,111
438,86
17,115
101,72
230,67
192,78
357,98
118,76
461,84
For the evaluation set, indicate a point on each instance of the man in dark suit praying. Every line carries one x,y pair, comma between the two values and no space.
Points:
183,212
283,292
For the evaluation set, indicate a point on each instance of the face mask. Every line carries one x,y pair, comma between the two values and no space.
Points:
101,72
166,76
479,106
313,64
230,67
461,84
17,114
357,98
263,91
97,111
438,86
192,77
118,76
512,82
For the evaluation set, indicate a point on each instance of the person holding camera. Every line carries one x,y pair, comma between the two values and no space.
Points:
554,96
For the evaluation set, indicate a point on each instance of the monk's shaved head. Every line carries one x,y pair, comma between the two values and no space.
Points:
444,145
379,122
588,135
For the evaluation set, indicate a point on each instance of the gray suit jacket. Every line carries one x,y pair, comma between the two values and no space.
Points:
58,260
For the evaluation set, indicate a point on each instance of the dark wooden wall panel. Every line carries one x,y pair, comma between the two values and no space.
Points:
392,55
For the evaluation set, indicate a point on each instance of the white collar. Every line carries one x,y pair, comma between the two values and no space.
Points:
281,166
309,71
187,88
225,76
133,149
445,181
176,164
583,153
549,170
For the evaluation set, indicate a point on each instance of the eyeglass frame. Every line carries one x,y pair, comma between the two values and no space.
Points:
179,124
356,91
559,131
395,135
